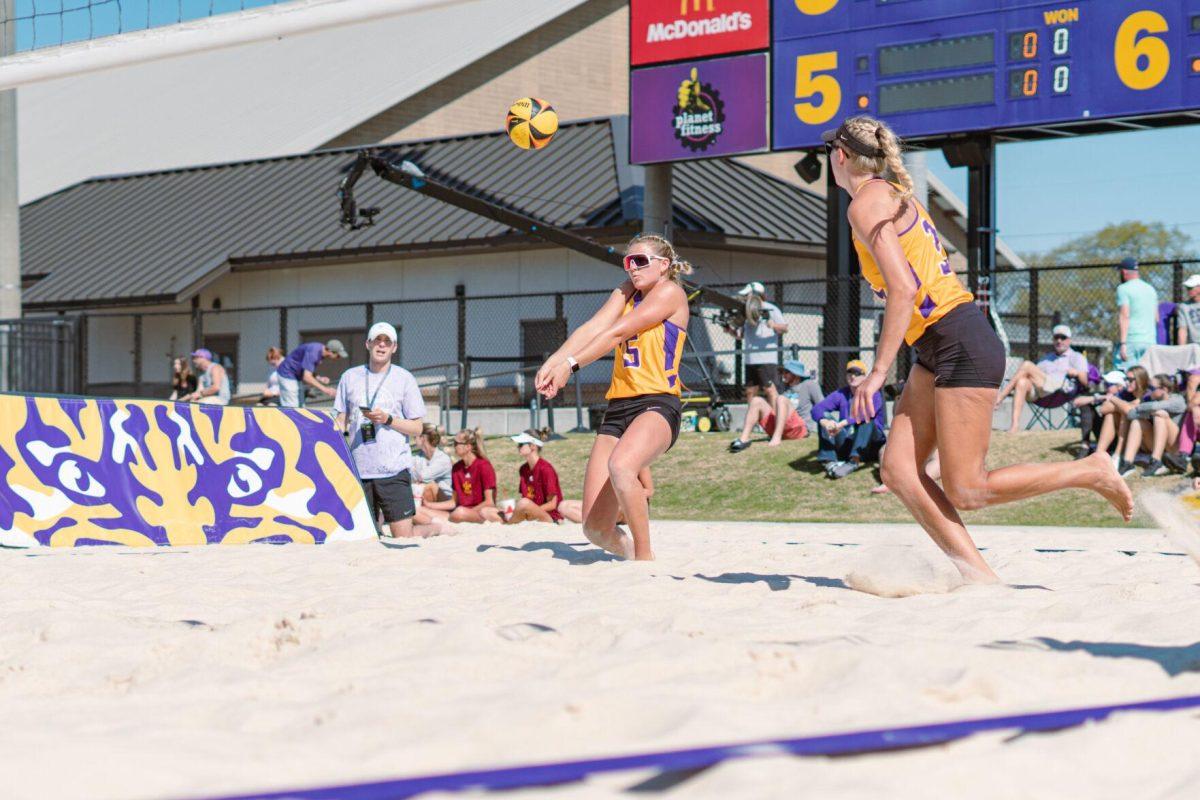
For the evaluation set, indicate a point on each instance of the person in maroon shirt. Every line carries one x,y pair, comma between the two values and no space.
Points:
474,480
539,490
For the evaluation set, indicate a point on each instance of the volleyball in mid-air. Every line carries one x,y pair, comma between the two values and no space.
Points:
531,123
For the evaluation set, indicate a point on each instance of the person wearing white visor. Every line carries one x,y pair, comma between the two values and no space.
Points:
1092,410
760,341
539,493
379,406
1063,370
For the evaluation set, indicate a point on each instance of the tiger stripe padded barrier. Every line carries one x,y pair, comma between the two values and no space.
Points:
91,471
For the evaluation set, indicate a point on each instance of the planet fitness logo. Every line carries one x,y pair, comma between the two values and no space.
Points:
699,114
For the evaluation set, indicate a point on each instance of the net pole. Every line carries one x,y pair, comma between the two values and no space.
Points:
210,33
10,232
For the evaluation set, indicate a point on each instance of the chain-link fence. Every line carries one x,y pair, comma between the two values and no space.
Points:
492,344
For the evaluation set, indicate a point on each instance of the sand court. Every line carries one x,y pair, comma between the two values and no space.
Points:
202,672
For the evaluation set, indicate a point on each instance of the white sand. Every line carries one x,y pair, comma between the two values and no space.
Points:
192,673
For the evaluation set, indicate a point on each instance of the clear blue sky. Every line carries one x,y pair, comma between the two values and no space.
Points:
1051,191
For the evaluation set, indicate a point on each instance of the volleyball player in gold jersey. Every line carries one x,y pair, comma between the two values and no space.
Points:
948,397
645,322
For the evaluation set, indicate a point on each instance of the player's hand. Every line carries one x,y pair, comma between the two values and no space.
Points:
542,377
863,407
556,379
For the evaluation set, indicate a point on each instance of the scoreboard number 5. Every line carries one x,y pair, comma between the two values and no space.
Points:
809,84
1142,58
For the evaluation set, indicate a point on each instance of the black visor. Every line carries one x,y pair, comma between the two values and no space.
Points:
841,137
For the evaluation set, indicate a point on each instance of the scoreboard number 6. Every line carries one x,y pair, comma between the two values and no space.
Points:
1142,58
809,84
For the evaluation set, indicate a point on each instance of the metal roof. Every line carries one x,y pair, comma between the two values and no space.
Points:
162,236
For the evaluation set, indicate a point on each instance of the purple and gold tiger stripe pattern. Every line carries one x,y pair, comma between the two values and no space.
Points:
87,471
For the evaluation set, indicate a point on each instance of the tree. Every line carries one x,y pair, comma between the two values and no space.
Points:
1085,298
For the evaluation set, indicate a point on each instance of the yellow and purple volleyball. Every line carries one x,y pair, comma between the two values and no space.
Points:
531,123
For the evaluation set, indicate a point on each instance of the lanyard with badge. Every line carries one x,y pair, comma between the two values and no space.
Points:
367,427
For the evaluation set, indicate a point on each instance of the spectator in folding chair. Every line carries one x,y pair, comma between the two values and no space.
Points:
1052,382
1091,420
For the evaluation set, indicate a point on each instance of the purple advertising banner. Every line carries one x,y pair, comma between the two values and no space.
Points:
698,109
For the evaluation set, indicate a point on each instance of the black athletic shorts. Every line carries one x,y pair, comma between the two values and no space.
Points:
762,375
392,497
624,410
962,350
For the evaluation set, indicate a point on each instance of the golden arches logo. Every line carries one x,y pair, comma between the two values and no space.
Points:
695,4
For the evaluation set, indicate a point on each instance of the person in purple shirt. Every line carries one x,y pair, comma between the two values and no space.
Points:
296,371
843,444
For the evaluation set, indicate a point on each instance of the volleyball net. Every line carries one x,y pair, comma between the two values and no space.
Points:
48,39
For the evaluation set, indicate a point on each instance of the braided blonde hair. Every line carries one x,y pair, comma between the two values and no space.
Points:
874,133
663,248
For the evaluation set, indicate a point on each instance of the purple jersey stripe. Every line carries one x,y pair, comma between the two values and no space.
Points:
670,340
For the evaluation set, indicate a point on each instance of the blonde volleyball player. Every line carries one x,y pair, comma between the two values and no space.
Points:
948,398
645,320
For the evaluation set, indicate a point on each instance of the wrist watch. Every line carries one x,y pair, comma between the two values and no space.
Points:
574,364
388,421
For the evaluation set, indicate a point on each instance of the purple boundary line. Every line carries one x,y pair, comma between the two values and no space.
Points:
876,740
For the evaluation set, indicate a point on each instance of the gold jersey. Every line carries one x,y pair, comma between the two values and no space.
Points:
938,288
649,362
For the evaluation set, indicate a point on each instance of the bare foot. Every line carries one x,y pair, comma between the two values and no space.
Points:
772,443
881,489
975,573
1110,484
615,541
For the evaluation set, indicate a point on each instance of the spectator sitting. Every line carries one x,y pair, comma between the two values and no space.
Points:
1137,315
298,370
1154,429
1188,315
844,443
801,388
432,468
758,412
270,395
1090,418
212,384
183,380
572,510
539,493
474,481
1115,425
759,334
1065,370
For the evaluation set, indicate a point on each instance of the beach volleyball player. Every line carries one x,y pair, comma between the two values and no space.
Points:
948,398
645,321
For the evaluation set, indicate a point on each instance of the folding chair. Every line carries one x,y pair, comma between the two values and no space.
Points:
1040,409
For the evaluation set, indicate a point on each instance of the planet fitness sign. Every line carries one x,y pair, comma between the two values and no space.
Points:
670,30
698,109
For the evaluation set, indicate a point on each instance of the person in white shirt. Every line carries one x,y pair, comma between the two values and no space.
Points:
760,342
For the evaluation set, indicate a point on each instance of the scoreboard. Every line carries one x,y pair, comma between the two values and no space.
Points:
930,68
934,67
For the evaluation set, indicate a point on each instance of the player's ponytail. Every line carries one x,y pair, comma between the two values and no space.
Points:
473,437
431,434
874,134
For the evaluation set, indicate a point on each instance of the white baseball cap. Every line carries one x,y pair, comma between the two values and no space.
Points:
383,329
1114,378
1192,282
1061,330
525,438
752,286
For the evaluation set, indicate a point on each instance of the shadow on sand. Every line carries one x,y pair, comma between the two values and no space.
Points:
1174,659
563,551
777,583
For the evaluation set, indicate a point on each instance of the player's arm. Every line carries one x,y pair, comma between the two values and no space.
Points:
871,216
608,313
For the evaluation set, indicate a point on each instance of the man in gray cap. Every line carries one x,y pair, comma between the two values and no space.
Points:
297,371
1137,315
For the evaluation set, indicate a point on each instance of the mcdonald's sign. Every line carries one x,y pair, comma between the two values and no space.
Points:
671,30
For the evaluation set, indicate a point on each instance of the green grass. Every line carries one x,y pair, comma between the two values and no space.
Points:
698,479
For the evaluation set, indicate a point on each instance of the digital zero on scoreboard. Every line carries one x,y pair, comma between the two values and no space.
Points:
933,67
